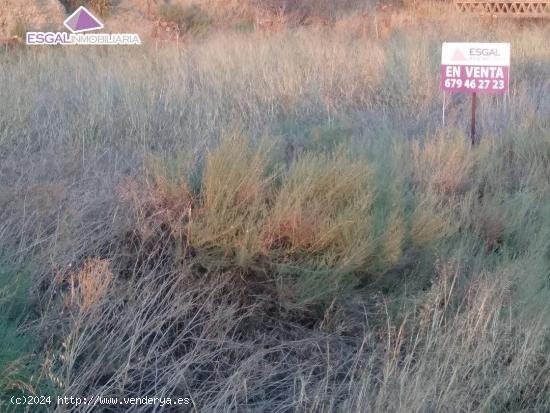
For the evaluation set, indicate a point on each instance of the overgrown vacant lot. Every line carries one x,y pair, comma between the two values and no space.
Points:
276,223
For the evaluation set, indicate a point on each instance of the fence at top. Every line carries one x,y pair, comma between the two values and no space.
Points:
506,8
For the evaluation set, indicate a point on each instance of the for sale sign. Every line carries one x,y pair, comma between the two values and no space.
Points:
475,67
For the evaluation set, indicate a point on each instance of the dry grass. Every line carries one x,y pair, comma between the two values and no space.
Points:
87,286
349,254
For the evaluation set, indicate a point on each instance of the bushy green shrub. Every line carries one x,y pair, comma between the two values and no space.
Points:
191,19
101,7
20,29
320,224
20,367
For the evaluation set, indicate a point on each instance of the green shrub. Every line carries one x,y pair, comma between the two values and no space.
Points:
20,367
20,29
320,224
101,7
317,226
190,19
324,137
233,202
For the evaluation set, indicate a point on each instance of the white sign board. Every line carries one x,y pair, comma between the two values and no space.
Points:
475,67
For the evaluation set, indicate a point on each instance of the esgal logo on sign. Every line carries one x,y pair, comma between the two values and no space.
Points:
484,52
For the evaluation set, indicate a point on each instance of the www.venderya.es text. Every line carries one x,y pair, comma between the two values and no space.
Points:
99,400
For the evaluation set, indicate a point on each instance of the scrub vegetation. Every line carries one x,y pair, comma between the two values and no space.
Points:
278,221
102,7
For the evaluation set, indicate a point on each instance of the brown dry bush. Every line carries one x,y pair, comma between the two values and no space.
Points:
158,203
87,285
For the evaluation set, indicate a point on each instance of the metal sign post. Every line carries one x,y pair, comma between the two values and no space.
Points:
473,119
443,109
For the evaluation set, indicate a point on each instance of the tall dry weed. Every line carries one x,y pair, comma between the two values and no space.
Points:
88,285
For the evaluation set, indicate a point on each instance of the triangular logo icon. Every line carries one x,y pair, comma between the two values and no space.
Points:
458,56
82,21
